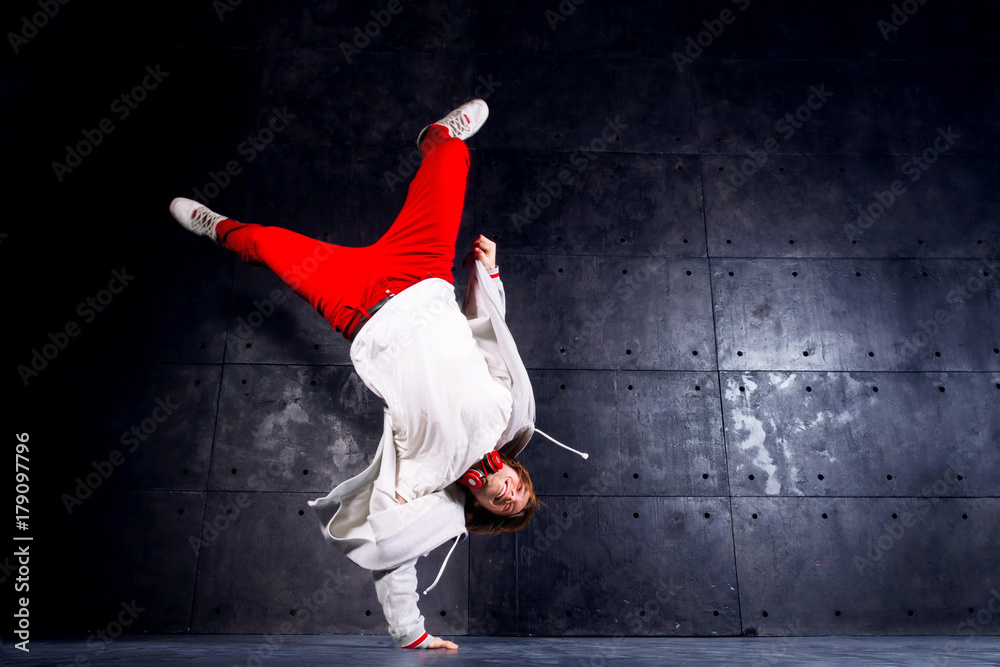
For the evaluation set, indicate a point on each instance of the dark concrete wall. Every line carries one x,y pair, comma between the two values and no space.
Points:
791,408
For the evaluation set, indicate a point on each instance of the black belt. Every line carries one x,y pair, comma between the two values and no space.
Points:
371,311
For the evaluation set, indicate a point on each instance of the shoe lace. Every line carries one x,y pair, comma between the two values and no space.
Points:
458,124
204,220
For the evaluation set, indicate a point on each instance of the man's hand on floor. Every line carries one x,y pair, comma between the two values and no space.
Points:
437,642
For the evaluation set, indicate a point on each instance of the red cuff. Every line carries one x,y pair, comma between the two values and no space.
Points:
418,642
495,275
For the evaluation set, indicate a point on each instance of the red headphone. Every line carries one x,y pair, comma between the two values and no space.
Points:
474,478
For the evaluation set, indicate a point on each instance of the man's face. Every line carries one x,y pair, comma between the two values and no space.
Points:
504,494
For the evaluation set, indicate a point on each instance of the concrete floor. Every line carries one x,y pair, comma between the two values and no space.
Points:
304,650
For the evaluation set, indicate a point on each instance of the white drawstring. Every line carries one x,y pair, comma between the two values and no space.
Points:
540,432
458,537
441,571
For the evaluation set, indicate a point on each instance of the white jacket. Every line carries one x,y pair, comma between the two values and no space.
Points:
362,517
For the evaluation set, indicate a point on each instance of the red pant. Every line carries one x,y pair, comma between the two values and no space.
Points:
343,282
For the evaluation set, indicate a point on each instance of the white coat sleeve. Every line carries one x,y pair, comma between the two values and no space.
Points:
470,306
503,295
397,593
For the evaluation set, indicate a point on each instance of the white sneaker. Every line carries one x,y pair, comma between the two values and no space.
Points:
196,217
463,122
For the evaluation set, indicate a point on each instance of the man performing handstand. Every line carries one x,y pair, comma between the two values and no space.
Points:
458,403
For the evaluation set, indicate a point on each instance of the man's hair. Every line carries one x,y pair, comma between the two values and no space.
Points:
482,521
